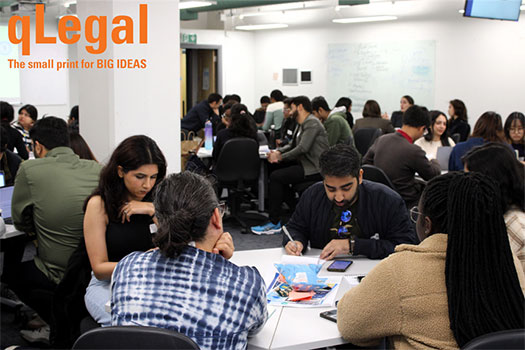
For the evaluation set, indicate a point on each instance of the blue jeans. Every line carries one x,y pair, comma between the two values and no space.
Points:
97,295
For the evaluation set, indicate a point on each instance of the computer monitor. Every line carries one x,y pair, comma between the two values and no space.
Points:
508,10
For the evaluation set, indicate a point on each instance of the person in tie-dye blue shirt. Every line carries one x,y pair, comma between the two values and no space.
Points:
187,284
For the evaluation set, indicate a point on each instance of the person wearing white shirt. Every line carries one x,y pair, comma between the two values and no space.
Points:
436,136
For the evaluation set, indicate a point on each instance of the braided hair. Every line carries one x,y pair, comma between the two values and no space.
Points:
483,290
184,204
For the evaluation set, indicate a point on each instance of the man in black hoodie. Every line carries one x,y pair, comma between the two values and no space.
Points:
345,214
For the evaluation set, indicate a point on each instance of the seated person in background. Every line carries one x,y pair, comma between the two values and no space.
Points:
241,126
488,128
274,112
400,159
289,124
436,135
260,112
119,214
397,117
27,116
334,121
204,296
9,161
458,123
80,146
47,201
225,117
7,114
514,133
372,119
438,294
499,163
72,121
346,215
201,113
294,163
347,103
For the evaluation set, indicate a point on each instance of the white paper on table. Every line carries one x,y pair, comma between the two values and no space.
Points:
302,260
264,149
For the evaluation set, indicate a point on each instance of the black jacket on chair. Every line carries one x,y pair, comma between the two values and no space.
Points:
380,211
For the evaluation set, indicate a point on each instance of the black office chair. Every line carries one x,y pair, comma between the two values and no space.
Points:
132,337
364,138
456,138
237,169
373,173
511,339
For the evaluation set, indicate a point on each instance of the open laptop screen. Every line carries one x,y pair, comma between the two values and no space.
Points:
6,193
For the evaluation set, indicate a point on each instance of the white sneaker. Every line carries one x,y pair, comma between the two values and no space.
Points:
40,335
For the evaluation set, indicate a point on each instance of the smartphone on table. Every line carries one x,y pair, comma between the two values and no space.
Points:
330,315
339,265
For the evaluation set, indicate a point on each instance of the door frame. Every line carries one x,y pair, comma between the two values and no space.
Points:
219,59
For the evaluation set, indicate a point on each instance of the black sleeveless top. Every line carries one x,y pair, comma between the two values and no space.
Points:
128,237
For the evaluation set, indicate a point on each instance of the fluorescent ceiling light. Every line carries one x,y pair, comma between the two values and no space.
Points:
183,5
364,19
257,14
262,26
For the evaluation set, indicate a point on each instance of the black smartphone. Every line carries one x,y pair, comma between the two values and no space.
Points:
330,315
339,265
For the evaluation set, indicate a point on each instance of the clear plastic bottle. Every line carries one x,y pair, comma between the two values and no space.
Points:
208,136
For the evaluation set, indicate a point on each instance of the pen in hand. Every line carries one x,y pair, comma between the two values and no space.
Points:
291,239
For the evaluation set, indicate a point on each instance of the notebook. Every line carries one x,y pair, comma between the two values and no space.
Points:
442,156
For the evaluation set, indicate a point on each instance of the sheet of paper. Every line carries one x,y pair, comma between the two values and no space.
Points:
295,296
301,260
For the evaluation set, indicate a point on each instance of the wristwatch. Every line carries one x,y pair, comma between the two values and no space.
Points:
351,239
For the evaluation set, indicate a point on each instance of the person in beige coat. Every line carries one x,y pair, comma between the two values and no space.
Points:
425,296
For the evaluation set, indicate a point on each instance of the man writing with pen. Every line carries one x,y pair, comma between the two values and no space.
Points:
345,214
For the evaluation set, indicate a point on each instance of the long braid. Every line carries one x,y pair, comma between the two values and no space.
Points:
483,290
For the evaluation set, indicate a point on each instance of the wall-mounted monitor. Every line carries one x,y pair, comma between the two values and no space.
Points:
508,10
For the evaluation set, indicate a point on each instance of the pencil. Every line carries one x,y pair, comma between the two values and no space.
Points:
290,238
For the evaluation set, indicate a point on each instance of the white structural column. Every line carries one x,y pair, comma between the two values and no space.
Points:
119,102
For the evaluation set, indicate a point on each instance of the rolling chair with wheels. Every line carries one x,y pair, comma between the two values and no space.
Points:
364,138
132,337
237,169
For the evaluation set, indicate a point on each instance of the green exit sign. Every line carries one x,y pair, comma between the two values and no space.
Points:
188,38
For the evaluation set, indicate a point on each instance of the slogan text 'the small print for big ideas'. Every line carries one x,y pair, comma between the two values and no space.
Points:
118,63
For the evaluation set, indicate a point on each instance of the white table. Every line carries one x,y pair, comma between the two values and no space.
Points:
10,232
206,153
298,328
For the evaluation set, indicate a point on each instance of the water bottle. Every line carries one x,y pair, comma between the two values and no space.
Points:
208,136
272,137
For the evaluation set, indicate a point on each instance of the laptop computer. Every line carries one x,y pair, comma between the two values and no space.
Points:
6,193
442,156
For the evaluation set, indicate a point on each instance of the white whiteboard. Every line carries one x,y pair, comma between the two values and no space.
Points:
382,71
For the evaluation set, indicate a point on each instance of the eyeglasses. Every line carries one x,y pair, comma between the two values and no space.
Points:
414,214
222,208
516,130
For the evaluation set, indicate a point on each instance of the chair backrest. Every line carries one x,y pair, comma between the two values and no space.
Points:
511,339
373,173
238,160
364,138
132,337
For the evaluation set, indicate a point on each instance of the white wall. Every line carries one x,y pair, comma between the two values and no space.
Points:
238,62
481,62
46,89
